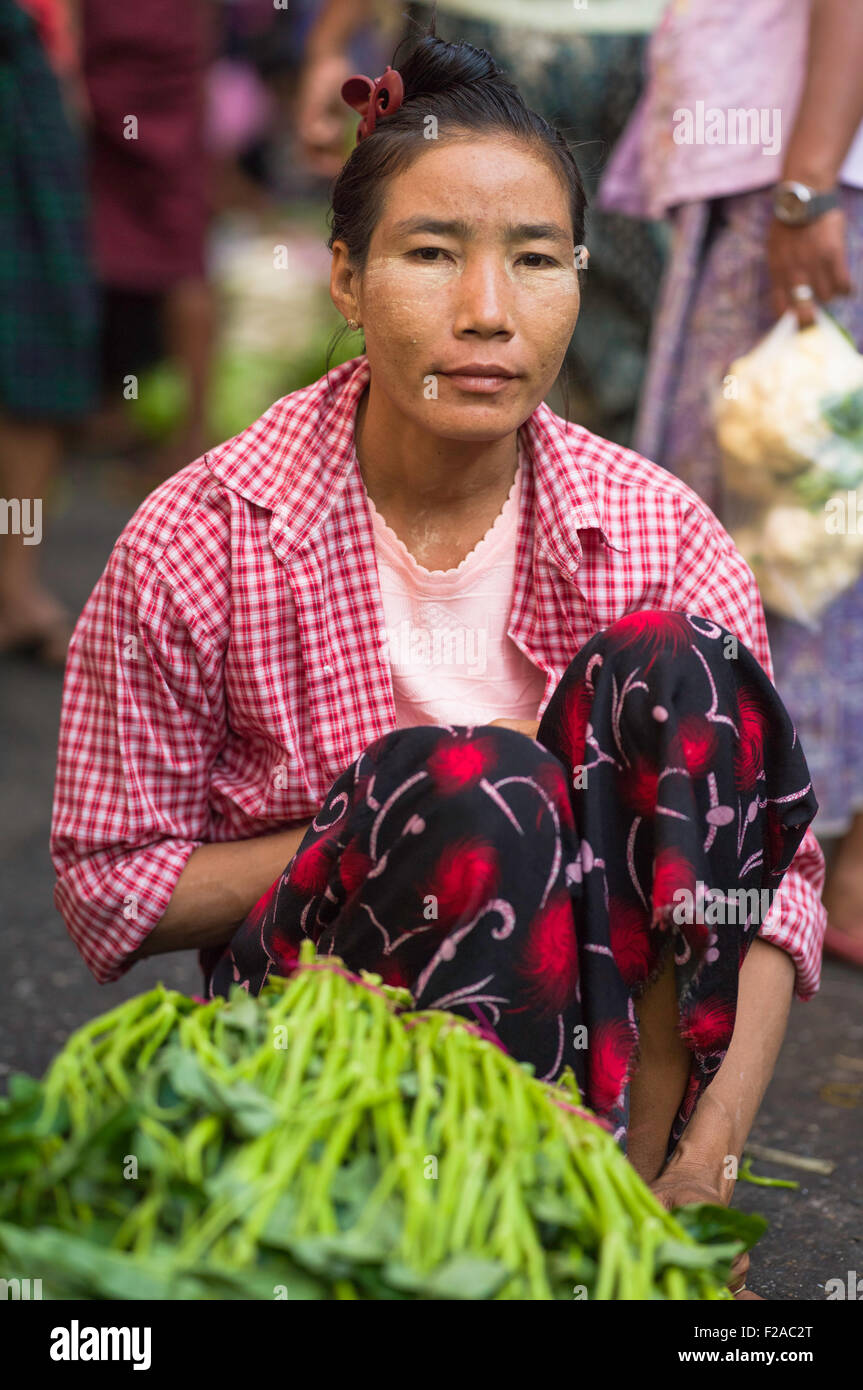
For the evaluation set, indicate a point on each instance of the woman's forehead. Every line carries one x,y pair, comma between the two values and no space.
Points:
472,185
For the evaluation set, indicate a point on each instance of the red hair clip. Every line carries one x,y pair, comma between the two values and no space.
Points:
373,99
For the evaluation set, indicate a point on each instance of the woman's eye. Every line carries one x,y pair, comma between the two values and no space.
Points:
430,255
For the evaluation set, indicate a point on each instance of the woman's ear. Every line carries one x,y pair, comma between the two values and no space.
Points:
343,282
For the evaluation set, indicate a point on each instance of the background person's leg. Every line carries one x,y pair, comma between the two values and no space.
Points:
30,616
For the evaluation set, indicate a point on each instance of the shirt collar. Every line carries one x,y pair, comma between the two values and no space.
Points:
296,459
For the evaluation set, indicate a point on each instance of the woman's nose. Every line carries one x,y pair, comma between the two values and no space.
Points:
484,296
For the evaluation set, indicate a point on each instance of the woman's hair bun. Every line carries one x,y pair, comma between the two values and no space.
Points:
434,66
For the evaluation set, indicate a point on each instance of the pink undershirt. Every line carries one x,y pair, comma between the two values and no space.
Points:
451,659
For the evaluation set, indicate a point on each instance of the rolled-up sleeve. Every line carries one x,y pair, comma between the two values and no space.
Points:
141,724
713,579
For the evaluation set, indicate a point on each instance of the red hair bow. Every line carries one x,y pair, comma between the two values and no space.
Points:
373,99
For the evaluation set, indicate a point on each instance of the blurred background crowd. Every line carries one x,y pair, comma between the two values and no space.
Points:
164,180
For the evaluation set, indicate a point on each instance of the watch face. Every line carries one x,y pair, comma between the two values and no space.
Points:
789,206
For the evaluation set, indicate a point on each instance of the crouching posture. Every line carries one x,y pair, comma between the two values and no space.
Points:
473,698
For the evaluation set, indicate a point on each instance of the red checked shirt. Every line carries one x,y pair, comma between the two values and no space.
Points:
231,661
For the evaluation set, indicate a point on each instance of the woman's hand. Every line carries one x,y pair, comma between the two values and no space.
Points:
530,727
678,1186
321,113
814,256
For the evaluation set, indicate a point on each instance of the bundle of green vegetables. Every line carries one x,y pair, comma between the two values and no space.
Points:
323,1141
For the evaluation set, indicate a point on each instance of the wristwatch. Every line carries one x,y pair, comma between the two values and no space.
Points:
796,204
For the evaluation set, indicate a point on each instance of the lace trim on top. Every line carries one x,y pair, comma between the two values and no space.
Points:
385,531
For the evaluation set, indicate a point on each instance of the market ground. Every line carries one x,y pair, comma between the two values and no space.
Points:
814,1106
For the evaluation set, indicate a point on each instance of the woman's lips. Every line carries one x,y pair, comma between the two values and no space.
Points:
486,385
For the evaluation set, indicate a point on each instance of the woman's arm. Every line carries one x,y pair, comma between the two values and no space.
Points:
831,107
830,112
321,113
217,889
143,724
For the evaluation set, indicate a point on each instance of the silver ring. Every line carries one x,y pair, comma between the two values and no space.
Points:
802,293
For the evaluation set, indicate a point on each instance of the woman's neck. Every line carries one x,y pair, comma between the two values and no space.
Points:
404,466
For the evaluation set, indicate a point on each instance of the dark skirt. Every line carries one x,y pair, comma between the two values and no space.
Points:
48,304
151,193
536,887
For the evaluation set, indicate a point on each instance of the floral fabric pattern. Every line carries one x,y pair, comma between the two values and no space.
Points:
534,886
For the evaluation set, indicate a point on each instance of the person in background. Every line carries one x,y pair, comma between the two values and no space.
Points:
759,229
582,68
145,68
48,305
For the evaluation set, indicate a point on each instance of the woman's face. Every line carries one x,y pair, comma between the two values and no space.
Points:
472,261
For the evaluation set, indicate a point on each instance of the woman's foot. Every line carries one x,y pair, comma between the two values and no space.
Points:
33,623
738,1277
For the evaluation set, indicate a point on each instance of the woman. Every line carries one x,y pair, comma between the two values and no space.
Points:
245,690
737,264
48,308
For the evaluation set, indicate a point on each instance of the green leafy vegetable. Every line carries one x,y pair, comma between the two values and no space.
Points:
325,1141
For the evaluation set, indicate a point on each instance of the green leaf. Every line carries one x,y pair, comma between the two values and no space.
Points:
556,1211
248,1110
24,1089
463,1277
120,1120
314,1254
680,1255
87,1269
281,1223
708,1222
354,1181
220,1282
844,413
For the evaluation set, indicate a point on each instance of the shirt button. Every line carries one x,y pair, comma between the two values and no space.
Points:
327,670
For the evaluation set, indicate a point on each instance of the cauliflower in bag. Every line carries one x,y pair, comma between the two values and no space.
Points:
795,402
789,422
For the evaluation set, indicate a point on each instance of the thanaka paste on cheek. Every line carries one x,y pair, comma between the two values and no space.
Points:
404,303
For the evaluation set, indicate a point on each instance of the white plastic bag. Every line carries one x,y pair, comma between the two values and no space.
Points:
789,421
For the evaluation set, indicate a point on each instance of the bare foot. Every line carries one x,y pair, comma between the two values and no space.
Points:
843,892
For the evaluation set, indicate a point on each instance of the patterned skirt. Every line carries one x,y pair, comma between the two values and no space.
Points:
48,304
715,306
537,887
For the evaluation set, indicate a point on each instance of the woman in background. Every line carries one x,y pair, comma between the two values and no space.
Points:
48,307
736,265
